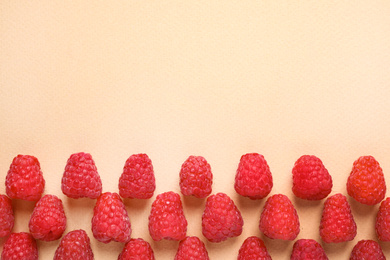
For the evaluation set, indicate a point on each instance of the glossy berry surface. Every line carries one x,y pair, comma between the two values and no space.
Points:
137,179
308,249
24,179
166,219
382,224
137,249
7,217
221,218
110,221
367,250
191,248
81,178
20,246
279,219
74,246
253,177
253,248
311,180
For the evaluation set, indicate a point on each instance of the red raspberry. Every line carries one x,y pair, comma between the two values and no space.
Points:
166,219
191,248
253,248
195,177
337,223
367,250
24,179
74,246
382,224
81,178
253,177
311,180
137,249
137,179
48,220
110,220
366,183
221,218
308,249
6,216
279,219
20,246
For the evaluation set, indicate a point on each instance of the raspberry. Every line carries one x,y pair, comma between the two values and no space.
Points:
311,180
195,177
48,220
253,248
20,246
366,183
137,249
337,223
367,250
81,178
24,179
221,218
308,249
382,224
253,177
137,179
6,216
110,220
279,219
74,245
191,248
166,219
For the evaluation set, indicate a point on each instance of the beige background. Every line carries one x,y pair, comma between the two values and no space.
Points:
211,78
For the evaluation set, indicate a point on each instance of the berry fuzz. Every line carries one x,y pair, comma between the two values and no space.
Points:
308,249
20,246
382,224
74,246
221,218
137,249
7,218
253,248
253,177
191,248
367,250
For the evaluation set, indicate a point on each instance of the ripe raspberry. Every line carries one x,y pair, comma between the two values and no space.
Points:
382,224
24,179
253,177
110,220
166,219
81,178
137,249
196,178
48,220
20,246
367,250
279,219
311,180
6,216
137,179
221,218
253,248
191,248
74,246
337,223
366,183
308,249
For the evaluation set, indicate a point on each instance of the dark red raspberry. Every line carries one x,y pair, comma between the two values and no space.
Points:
279,219
221,218
253,248
24,179
74,246
311,180
337,222
191,248
253,177
137,249
308,249
367,250
366,183
166,219
196,178
81,178
6,216
382,224
48,220
20,246
137,179
110,221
